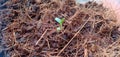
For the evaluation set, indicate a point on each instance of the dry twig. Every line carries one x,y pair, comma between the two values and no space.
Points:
41,37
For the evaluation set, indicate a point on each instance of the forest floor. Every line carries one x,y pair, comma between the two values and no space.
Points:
28,29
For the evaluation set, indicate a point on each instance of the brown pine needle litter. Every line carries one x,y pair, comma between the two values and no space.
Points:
28,29
41,37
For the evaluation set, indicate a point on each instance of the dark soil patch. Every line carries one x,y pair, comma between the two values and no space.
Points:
29,29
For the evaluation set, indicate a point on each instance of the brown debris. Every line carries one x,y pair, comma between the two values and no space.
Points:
31,30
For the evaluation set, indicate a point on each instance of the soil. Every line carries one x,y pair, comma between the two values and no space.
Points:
28,29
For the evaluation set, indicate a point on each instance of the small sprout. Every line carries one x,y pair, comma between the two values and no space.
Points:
60,21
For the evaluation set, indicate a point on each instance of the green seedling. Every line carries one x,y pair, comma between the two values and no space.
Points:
60,21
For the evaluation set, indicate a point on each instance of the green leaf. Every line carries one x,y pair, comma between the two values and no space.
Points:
62,20
58,20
